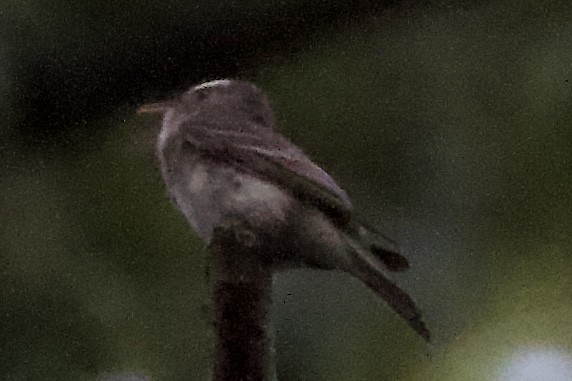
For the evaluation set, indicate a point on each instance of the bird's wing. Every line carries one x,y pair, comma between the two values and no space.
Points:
268,154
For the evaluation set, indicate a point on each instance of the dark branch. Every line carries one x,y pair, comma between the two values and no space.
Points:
242,284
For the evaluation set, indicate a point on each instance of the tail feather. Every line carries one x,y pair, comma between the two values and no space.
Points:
369,266
400,302
384,248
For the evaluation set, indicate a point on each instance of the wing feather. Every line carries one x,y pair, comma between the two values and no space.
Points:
265,153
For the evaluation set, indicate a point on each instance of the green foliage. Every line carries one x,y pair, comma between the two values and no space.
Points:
450,123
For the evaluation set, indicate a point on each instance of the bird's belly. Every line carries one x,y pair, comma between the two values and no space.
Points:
214,195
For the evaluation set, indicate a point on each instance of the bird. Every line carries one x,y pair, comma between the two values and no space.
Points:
222,159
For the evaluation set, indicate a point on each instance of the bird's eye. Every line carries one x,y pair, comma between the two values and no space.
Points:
201,94
258,119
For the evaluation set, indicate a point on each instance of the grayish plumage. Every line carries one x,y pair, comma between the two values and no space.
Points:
222,159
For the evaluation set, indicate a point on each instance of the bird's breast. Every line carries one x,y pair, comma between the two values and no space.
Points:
211,195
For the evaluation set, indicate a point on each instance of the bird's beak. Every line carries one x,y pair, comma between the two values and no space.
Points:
159,107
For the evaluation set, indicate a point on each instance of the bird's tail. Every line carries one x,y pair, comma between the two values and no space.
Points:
373,255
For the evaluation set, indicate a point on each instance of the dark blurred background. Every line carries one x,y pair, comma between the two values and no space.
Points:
448,122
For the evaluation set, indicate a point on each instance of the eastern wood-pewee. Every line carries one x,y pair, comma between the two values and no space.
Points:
223,160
